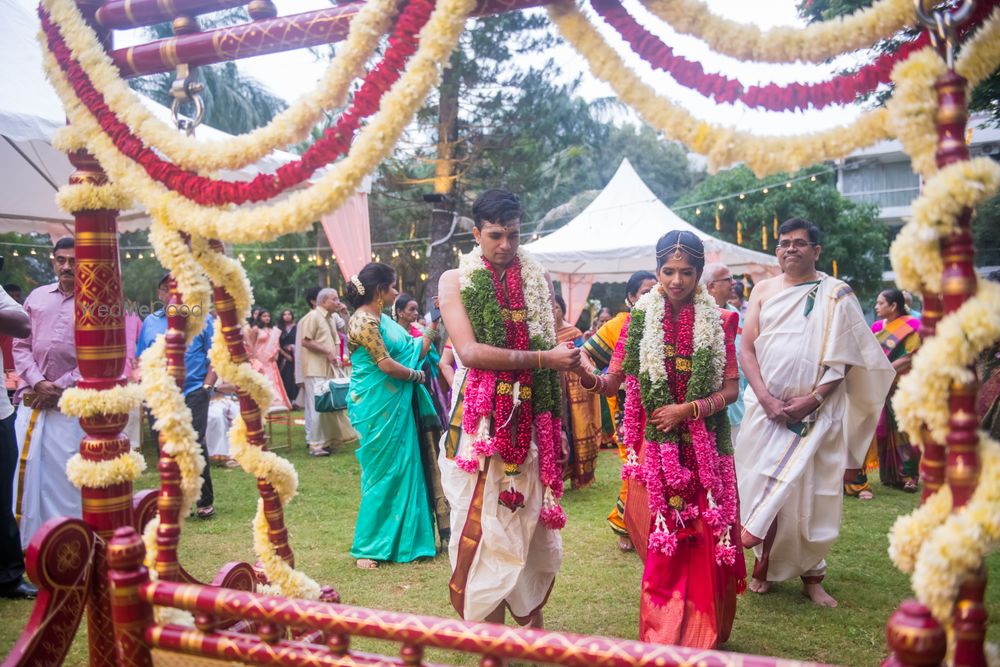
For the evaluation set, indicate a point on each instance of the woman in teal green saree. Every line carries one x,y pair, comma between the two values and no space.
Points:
395,520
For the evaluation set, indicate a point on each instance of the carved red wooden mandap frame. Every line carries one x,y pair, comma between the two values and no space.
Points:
94,565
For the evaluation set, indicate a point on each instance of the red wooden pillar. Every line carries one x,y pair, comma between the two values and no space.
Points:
100,354
232,332
168,533
932,461
132,615
958,285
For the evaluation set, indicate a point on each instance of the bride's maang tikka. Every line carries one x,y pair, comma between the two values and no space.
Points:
679,248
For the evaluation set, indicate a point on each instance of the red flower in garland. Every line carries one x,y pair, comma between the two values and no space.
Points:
842,89
335,141
513,431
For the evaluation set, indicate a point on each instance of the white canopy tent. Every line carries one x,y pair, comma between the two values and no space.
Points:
615,235
30,113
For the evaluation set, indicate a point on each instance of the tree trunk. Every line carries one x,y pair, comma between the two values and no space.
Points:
440,257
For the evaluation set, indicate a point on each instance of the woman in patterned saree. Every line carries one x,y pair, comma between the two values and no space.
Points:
387,404
899,335
581,410
677,359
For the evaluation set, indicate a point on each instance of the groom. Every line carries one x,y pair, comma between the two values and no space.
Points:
503,559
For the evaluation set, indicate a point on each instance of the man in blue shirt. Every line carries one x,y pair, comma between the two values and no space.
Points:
199,378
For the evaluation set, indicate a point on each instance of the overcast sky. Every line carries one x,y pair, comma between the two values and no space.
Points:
292,74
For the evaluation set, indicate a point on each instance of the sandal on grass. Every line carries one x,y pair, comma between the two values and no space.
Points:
205,512
367,564
865,495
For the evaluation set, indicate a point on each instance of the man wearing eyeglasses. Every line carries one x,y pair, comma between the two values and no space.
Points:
818,379
46,363
718,281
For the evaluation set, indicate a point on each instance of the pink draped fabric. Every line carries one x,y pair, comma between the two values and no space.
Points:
349,233
264,359
575,288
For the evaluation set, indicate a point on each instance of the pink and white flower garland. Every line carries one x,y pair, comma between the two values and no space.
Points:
671,471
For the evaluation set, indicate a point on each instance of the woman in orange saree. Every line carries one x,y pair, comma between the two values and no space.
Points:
677,361
581,410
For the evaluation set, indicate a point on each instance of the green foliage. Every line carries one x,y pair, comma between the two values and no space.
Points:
481,304
27,270
986,232
850,233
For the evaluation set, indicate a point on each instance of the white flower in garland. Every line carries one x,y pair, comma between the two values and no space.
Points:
814,43
298,210
537,297
723,145
707,334
288,127
652,361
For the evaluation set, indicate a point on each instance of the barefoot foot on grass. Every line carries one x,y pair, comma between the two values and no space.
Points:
759,586
817,594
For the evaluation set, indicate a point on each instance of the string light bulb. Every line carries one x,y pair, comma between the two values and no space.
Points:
33,252
128,255
697,211
764,191
140,256
15,253
258,256
813,178
743,195
327,262
268,260
721,207
788,184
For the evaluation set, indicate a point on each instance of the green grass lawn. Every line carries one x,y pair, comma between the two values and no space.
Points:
597,591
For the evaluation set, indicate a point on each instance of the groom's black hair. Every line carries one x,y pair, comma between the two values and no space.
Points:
498,206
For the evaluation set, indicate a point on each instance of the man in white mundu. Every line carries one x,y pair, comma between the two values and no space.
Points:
46,364
501,462
817,379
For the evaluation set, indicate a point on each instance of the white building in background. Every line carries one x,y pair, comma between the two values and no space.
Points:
881,174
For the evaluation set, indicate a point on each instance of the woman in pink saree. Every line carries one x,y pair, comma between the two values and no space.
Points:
264,358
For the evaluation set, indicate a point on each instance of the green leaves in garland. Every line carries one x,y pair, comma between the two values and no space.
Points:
483,309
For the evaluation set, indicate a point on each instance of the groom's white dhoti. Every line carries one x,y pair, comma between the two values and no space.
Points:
497,556
791,475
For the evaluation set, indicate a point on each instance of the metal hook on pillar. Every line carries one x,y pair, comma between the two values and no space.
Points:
186,88
942,24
